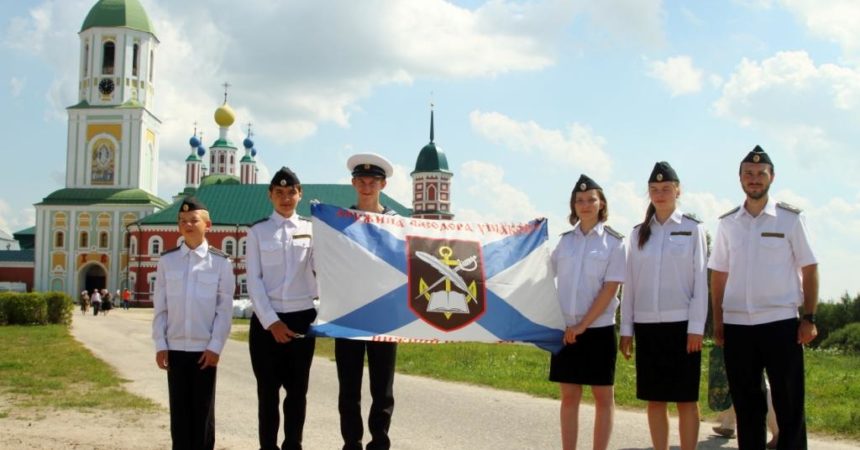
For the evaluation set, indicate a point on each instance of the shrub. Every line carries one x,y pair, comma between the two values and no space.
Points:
24,309
60,307
846,339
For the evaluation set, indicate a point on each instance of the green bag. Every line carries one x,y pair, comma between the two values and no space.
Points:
719,398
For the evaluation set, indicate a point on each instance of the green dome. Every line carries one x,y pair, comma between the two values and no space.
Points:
219,179
118,13
431,159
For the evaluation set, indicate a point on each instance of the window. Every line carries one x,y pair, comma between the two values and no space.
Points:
86,60
84,240
135,59
108,56
132,244
126,239
59,239
431,192
243,286
151,279
155,245
103,239
242,243
151,63
59,219
221,158
230,246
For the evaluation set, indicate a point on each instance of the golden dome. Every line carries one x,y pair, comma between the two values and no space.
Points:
224,116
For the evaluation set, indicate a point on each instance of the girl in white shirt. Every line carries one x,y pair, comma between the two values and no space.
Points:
665,307
589,266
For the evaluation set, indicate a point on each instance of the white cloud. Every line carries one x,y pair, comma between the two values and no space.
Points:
833,20
678,75
639,21
577,146
15,220
399,186
484,184
812,110
16,86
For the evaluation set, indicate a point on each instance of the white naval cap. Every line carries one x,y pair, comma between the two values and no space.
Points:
369,164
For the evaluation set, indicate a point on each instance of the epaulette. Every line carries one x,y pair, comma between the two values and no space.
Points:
788,207
693,218
566,232
734,210
612,232
637,226
171,250
217,252
259,221
306,219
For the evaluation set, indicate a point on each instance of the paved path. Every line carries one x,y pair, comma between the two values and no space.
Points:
429,414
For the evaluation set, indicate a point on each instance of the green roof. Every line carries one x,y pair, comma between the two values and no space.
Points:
28,255
25,232
222,143
219,179
192,157
431,159
244,204
118,13
93,196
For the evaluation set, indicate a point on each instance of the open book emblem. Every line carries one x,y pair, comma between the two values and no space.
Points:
446,281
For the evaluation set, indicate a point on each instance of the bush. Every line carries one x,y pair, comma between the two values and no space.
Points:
833,315
846,339
25,309
60,308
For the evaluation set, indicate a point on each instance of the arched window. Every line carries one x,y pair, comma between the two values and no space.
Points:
155,245
211,158
151,63
103,239
151,279
59,239
229,246
221,159
242,243
135,59
243,286
231,159
84,239
86,60
108,56
431,193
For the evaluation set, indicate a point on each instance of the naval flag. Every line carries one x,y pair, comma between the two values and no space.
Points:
399,279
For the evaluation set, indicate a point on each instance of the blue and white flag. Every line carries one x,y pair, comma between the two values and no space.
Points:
400,279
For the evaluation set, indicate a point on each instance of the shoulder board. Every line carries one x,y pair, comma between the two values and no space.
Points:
788,207
734,210
693,218
566,232
217,252
259,221
306,219
612,232
637,226
170,251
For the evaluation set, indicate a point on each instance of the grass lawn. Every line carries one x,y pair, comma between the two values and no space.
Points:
43,366
832,381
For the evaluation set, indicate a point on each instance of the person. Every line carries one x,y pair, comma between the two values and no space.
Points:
192,314
589,263
369,174
96,300
282,287
763,269
85,302
107,302
665,306
126,298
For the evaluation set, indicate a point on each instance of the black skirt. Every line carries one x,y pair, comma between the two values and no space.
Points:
590,361
665,372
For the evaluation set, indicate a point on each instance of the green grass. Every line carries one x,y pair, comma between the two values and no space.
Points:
43,366
832,381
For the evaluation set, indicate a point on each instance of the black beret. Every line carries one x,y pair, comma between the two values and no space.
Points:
191,204
285,177
663,172
757,155
585,183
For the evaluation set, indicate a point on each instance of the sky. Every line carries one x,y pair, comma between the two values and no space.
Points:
527,96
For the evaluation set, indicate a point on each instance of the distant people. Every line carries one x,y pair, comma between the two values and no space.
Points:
282,287
763,270
589,264
126,298
369,174
107,302
192,314
665,308
96,300
85,302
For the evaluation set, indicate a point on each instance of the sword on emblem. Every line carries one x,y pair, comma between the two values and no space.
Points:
469,264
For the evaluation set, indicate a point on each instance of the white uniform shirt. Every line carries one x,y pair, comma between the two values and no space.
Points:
193,300
582,264
763,256
667,280
279,262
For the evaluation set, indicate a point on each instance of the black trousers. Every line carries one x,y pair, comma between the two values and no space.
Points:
279,366
192,401
770,347
381,358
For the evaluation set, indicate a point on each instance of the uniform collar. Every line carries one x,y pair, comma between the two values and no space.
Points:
769,209
677,217
281,220
201,249
597,229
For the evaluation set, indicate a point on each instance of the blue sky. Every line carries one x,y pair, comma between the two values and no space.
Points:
528,95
